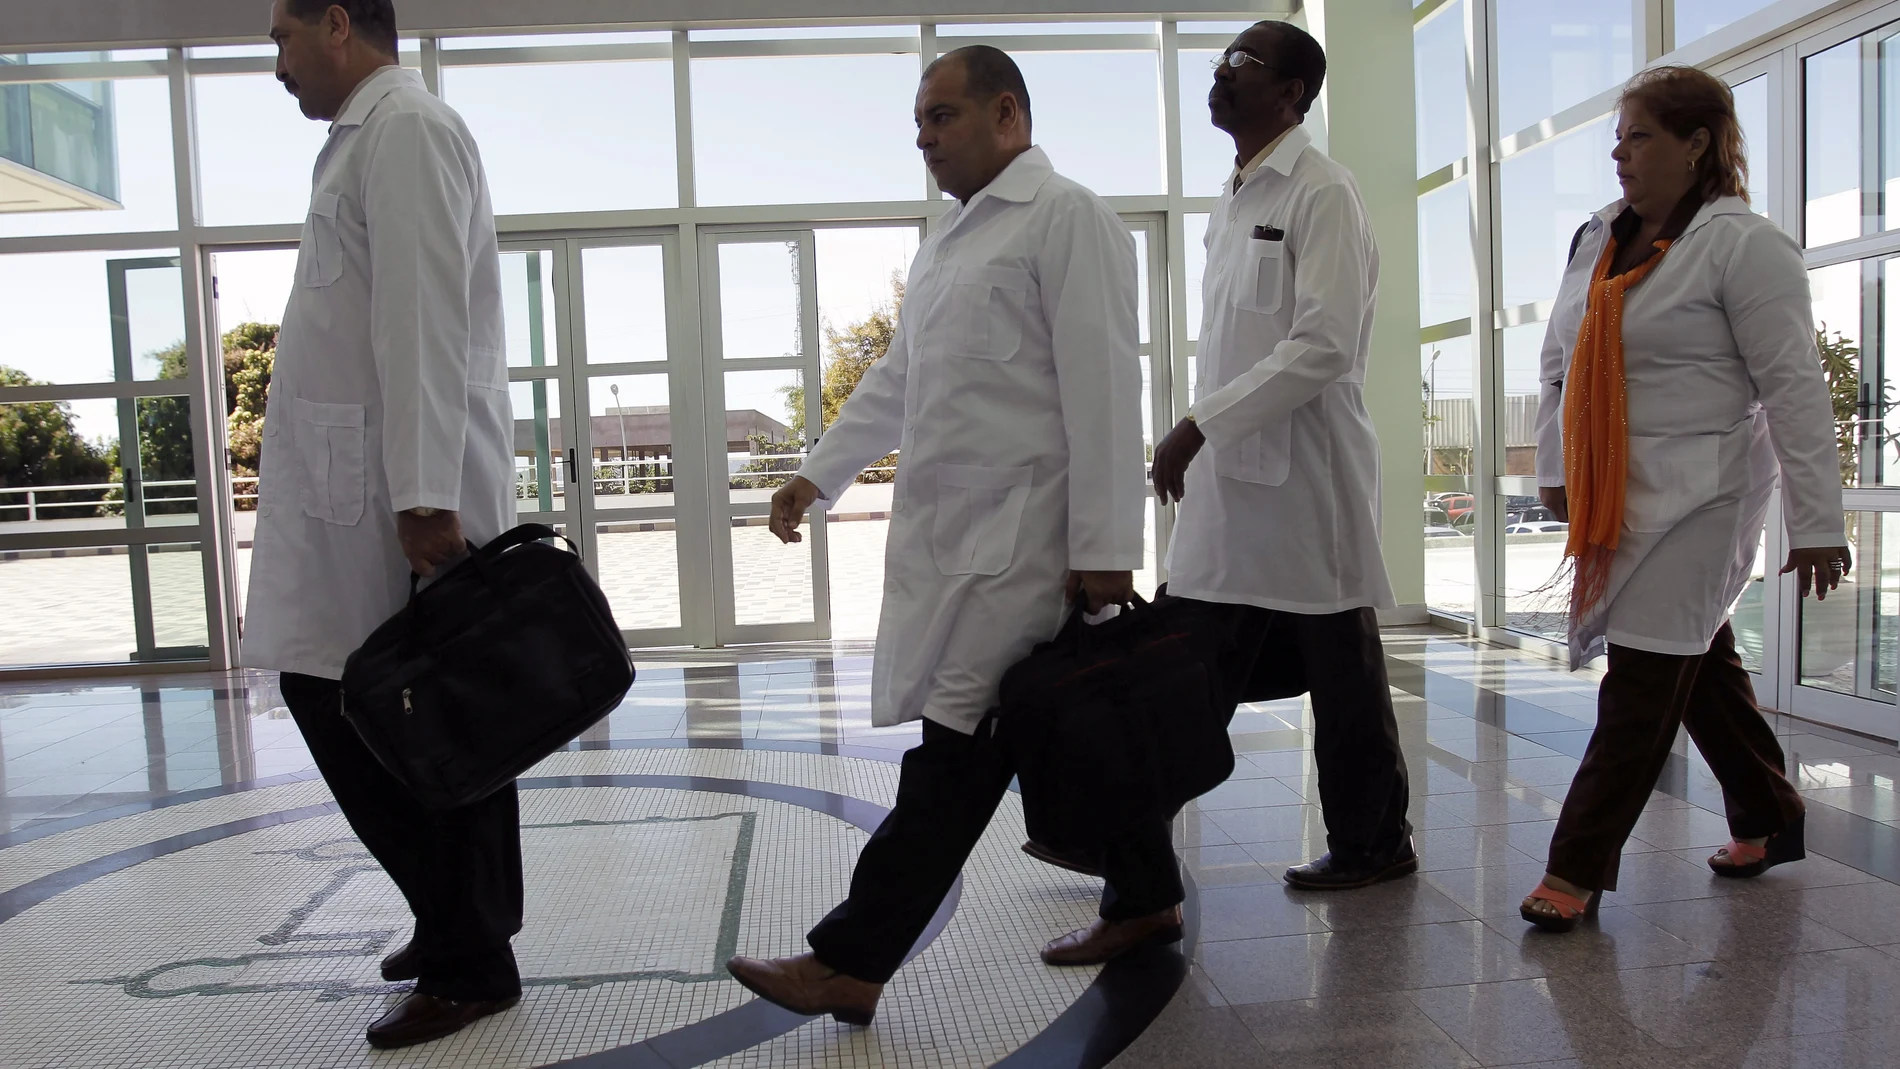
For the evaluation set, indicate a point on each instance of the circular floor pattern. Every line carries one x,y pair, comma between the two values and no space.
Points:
244,930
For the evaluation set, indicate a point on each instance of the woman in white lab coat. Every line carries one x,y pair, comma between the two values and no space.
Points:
1679,375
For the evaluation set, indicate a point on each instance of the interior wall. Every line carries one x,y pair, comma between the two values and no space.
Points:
1371,128
45,24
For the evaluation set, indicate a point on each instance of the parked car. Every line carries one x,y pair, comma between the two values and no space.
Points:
1537,527
1436,517
1458,506
1443,532
1528,514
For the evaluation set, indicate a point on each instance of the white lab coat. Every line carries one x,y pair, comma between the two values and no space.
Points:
1013,390
1282,504
391,389
1723,379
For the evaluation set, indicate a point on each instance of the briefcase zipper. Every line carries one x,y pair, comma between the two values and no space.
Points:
408,709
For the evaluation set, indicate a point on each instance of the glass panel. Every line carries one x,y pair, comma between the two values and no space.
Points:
1534,599
1523,353
1070,92
1832,138
252,289
763,453
178,597
1038,29
624,288
541,445
89,622
759,300
155,321
1696,19
549,40
639,572
1207,152
1837,319
837,128
1445,272
554,137
58,322
630,428
527,304
1194,233
1438,64
168,473
1890,131
1553,54
801,33
1448,384
54,476
112,139
1848,641
771,582
240,184
1751,107
1547,192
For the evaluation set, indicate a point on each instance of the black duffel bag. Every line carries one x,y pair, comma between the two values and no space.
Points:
1112,724
497,664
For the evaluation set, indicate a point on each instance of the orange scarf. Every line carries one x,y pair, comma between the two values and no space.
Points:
1596,431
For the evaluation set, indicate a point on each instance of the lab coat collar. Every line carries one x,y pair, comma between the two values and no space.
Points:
1295,144
371,91
1021,180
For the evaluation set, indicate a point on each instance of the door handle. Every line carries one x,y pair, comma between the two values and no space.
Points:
573,464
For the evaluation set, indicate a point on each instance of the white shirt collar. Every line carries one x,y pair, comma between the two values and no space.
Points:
370,92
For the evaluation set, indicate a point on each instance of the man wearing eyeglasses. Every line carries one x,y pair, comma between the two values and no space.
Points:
1276,466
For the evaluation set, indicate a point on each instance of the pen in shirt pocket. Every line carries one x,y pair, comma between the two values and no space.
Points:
1269,233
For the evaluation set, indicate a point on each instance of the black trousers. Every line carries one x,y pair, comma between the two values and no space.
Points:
948,790
1645,696
1339,660
459,870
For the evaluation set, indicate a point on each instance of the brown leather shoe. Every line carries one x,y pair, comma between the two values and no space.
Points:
404,964
806,985
1105,941
421,1018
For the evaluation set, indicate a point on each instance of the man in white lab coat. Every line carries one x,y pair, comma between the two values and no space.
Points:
1013,389
388,441
1276,466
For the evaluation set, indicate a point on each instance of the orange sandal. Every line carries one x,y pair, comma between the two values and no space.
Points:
1743,861
1570,910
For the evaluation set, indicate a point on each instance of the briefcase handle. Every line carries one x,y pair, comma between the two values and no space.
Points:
1076,630
480,556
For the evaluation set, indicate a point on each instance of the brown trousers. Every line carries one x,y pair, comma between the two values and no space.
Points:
1644,697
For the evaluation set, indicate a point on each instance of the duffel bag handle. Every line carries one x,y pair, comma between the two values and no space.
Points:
1076,630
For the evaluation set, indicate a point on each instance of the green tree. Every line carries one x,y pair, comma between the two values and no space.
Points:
249,353
1840,363
40,445
850,352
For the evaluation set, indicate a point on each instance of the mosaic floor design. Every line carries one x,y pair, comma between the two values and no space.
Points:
636,895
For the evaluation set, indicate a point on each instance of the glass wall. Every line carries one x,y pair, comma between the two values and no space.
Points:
138,364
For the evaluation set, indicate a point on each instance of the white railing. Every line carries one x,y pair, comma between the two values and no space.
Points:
622,475
27,499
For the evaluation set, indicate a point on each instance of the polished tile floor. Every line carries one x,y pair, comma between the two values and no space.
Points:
175,891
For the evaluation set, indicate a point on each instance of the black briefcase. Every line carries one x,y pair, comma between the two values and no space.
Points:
500,662
1112,724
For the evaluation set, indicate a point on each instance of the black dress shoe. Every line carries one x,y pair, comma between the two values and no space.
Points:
420,1018
1330,874
404,964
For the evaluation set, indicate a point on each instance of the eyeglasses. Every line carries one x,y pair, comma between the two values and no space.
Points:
1237,59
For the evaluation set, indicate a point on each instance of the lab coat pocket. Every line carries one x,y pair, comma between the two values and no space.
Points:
987,304
979,511
1263,277
323,243
1263,457
1669,478
330,437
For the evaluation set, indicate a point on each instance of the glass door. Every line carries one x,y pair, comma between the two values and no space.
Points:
591,379
759,308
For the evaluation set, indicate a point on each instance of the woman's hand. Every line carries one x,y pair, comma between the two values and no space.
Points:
1820,569
1557,500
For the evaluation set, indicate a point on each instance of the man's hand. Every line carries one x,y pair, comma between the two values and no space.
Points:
1172,457
1557,500
430,541
1099,590
788,508
1820,570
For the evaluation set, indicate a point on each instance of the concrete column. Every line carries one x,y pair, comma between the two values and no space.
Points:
1366,120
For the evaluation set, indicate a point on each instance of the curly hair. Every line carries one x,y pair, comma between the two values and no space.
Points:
1684,100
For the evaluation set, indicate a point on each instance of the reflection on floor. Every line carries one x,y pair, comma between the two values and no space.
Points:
174,889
